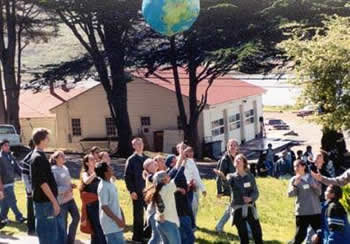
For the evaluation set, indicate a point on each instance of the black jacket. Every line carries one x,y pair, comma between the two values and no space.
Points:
226,166
41,173
133,174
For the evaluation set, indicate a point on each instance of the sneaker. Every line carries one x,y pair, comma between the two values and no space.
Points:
3,223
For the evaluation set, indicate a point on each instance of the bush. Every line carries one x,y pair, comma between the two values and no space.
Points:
346,198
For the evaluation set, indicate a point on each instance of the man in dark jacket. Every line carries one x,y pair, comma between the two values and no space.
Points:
8,170
135,185
226,166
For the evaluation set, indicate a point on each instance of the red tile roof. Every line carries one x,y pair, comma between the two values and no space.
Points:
37,105
224,88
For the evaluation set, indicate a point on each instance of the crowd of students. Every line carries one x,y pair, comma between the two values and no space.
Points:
165,194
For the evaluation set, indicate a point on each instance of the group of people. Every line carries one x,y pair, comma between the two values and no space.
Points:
320,217
165,194
168,189
269,164
50,200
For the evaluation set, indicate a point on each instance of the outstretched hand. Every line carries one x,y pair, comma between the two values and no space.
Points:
219,173
317,176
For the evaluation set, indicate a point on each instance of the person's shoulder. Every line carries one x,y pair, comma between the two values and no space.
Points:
336,209
190,162
250,176
131,157
37,156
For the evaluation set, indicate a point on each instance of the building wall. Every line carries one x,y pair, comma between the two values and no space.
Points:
245,132
29,124
144,99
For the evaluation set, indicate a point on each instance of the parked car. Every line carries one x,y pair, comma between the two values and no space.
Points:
307,110
276,124
9,132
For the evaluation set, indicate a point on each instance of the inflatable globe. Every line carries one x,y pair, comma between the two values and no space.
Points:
169,17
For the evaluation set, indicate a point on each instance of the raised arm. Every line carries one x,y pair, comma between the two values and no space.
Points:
341,180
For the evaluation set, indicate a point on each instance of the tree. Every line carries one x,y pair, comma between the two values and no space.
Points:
322,65
106,30
224,36
20,23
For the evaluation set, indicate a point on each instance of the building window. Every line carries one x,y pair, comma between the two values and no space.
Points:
234,121
110,127
217,127
179,123
249,117
145,121
76,127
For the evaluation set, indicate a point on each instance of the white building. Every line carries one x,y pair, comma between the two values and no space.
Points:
82,114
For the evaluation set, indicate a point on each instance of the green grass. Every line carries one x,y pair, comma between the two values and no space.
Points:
275,211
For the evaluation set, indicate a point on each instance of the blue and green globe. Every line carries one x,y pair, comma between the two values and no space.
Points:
169,17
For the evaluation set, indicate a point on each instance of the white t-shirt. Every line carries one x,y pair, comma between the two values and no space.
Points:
192,173
108,196
168,197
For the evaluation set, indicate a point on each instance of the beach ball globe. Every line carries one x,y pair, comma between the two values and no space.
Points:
169,17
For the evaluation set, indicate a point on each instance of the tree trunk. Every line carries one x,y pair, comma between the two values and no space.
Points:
118,100
118,96
192,138
190,127
194,111
12,96
3,113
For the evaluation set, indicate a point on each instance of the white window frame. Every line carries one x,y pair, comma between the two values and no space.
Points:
218,129
249,117
80,128
234,122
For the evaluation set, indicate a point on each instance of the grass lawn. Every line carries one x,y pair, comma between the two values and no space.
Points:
275,211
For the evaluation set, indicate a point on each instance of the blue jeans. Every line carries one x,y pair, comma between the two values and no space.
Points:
169,232
186,233
50,229
115,238
93,214
155,238
9,202
270,167
221,224
71,208
225,218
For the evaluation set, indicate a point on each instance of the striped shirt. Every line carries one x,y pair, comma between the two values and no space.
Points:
27,172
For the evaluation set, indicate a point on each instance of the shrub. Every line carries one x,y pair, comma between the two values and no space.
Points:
346,198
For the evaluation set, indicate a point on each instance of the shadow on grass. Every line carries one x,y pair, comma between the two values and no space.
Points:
225,238
225,235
